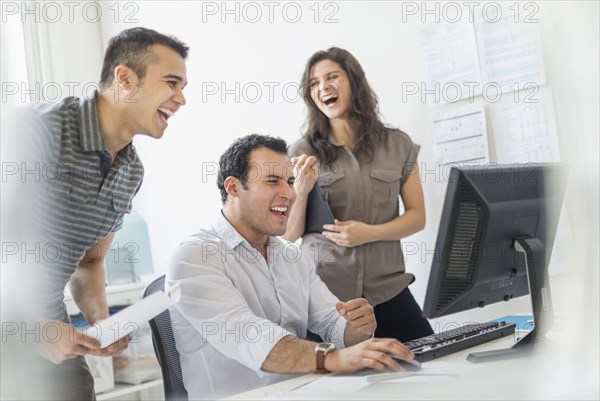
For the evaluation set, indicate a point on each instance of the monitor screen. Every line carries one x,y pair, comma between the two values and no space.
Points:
486,210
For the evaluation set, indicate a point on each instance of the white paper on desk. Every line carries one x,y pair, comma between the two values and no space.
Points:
131,318
446,368
434,371
331,385
430,372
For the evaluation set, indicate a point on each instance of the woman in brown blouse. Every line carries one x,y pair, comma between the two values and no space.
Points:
361,166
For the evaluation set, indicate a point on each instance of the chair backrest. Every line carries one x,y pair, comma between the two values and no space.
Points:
164,347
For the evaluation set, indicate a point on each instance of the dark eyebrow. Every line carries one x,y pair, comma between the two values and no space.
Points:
176,78
327,73
278,177
274,177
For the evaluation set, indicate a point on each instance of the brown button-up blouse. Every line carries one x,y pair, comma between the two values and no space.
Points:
367,192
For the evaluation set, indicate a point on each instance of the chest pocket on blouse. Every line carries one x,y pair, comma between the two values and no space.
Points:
385,185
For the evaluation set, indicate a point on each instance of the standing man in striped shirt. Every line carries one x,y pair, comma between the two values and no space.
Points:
87,145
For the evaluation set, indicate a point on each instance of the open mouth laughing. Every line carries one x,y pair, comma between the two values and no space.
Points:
165,114
330,100
280,211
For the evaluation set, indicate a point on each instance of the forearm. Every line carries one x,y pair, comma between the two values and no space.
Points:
353,337
410,222
87,288
297,219
291,355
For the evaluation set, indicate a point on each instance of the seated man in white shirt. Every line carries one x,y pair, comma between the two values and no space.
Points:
248,298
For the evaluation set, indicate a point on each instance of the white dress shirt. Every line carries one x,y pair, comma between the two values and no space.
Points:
235,307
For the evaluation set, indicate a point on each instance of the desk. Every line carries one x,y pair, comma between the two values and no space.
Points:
539,376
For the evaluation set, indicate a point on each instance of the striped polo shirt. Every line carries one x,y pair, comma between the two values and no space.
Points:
85,193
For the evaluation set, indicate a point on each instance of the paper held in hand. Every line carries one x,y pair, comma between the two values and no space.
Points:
128,320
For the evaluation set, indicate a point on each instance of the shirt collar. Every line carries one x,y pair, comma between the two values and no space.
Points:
227,232
89,133
232,238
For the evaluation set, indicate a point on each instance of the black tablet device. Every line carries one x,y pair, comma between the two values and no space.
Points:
317,211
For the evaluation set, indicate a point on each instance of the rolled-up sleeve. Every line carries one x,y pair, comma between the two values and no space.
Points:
323,317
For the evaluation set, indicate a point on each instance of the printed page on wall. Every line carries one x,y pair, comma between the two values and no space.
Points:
459,139
450,62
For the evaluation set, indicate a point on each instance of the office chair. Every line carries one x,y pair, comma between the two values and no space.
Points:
164,347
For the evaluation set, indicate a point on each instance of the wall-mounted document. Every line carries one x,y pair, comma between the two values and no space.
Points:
489,54
524,127
459,138
450,60
510,52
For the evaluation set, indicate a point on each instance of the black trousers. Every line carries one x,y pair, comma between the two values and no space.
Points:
401,318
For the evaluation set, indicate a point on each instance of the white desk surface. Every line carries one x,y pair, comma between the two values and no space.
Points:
541,377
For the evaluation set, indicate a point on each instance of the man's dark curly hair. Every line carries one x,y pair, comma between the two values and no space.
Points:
234,162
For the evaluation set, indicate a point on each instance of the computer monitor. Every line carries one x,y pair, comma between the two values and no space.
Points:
494,242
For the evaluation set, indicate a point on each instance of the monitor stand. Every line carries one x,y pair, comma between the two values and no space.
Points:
541,302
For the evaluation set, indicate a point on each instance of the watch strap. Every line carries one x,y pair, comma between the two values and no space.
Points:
321,361
321,350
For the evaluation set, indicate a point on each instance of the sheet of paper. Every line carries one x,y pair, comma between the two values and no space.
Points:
459,139
510,52
450,60
129,319
331,385
524,127
434,371
431,371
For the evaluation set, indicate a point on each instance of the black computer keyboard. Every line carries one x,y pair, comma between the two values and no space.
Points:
450,341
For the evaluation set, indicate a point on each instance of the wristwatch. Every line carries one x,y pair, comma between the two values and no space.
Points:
321,350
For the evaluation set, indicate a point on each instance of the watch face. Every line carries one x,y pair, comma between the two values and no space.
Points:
326,347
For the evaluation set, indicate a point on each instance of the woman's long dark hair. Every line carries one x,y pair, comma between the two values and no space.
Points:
363,113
